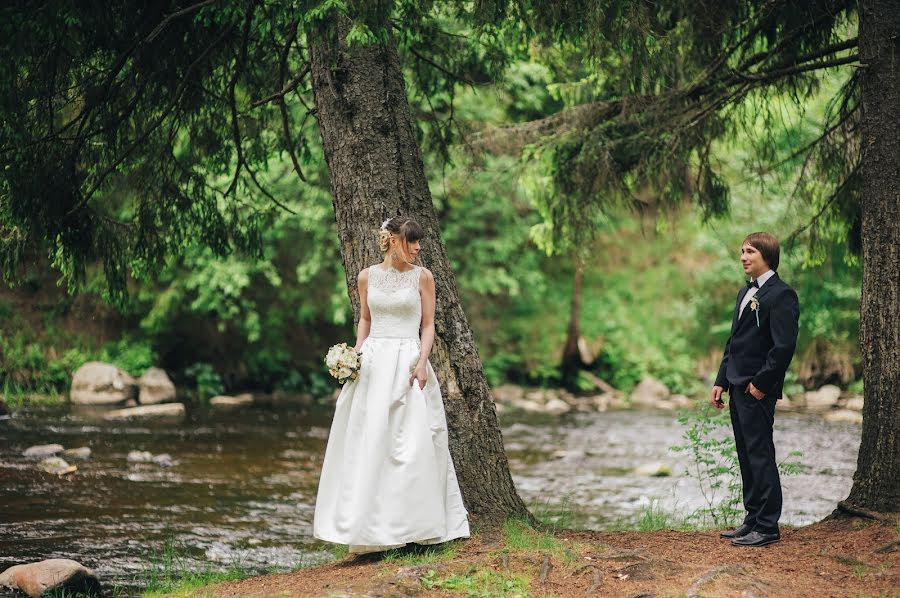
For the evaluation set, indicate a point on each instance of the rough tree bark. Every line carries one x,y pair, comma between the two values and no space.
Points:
376,171
876,484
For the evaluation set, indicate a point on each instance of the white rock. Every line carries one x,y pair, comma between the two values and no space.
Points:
529,406
226,402
844,415
155,387
53,575
163,411
649,392
557,407
56,466
855,403
507,393
140,457
163,460
43,450
97,383
823,399
82,453
681,401
653,470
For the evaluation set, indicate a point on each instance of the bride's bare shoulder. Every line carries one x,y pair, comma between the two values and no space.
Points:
363,275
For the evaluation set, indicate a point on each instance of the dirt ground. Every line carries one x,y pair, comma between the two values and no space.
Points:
845,557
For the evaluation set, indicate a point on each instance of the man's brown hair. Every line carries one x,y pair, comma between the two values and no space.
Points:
767,245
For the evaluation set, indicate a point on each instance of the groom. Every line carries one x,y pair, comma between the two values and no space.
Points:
757,355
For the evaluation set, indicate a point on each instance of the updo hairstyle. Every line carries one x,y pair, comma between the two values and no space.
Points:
406,229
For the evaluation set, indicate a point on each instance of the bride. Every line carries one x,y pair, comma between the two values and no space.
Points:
387,479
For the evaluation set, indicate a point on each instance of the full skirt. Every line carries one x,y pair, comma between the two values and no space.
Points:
388,479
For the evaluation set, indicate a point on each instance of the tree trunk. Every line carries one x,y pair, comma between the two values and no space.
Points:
376,170
572,360
876,484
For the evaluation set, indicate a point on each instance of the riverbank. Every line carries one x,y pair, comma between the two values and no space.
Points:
838,557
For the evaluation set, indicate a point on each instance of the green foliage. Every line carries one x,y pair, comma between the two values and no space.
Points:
207,381
714,463
132,355
482,583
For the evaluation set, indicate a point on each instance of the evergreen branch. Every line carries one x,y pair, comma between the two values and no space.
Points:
169,18
147,132
288,88
282,106
232,85
775,74
834,196
265,192
442,69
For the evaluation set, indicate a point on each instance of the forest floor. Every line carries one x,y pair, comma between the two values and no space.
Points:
837,557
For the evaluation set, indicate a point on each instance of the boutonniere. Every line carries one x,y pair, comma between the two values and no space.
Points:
754,306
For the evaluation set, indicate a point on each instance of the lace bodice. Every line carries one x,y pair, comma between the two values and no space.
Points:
394,302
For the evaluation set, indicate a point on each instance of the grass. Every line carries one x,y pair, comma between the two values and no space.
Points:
15,398
484,583
169,574
421,555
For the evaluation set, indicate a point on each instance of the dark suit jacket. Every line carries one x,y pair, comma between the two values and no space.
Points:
761,354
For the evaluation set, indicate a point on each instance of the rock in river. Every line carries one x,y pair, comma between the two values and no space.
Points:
161,411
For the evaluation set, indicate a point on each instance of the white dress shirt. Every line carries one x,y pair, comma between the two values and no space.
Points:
753,290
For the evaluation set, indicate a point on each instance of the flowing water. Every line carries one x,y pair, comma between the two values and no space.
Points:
242,486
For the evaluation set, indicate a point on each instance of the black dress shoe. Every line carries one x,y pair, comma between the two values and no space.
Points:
738,532
756,539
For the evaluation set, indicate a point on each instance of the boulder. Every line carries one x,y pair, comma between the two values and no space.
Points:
823,399
62,576
155,387
161,411
854,403
139,457
681,401
43,450
557,407
56,466
844,415
82,453
97,383
649,393
226,402
508,393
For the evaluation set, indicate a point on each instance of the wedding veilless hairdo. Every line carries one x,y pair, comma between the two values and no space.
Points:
406,229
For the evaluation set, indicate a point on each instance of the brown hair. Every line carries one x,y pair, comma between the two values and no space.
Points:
406,229
767,245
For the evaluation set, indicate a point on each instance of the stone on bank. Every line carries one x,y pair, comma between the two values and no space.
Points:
53,575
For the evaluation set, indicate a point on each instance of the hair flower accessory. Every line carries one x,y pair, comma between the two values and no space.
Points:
384,224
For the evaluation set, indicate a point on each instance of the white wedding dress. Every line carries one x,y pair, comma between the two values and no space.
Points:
387,478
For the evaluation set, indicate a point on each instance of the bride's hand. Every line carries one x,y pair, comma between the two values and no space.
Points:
420,374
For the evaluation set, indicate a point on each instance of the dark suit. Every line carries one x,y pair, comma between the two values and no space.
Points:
759,351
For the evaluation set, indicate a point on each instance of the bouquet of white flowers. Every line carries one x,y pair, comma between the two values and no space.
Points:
343,363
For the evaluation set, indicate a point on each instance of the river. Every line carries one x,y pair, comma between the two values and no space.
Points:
242,486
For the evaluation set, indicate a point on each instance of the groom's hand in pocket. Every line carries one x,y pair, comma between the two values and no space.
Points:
757,393
716,399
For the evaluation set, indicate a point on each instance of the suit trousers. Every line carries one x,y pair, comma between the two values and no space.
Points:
752,422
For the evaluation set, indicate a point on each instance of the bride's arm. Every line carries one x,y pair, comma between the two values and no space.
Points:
365,318
426,290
